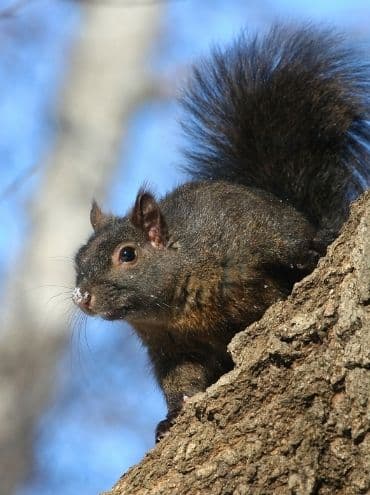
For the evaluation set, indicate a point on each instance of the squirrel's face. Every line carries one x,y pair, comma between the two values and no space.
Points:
122,271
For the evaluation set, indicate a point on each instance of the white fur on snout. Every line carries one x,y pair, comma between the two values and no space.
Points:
78,297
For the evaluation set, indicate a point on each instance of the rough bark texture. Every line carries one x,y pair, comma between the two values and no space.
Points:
293,417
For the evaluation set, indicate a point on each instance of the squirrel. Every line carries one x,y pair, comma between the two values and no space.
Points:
279,132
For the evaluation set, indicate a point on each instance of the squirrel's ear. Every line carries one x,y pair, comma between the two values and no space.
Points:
148,217
97,218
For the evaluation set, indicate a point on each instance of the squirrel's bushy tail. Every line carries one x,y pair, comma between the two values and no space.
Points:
287,113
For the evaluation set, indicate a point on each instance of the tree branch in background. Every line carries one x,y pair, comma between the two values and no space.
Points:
127,3
100,94
19,181
13,9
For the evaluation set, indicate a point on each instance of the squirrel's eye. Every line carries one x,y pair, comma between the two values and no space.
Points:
127,254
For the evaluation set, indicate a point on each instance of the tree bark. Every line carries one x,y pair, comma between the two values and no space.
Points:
293,417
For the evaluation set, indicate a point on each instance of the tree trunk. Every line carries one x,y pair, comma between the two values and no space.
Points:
293,417
107,79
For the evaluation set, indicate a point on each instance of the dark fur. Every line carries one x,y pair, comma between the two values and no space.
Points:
279,128
286,113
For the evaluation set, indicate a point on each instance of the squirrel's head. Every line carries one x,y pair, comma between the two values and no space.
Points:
124,271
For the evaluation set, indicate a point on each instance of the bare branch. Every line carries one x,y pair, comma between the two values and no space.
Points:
19,181
13,9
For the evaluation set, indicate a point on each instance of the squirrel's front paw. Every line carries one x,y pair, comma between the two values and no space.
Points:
162,430
163,427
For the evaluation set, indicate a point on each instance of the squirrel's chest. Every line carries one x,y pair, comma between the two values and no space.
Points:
210,307
221,301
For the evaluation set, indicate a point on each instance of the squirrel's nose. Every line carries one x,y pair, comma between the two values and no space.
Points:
83,299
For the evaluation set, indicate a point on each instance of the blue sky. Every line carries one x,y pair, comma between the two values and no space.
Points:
80,441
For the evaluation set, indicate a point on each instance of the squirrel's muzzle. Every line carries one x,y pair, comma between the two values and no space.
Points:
83,299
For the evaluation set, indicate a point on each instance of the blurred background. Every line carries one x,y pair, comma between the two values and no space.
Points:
88,109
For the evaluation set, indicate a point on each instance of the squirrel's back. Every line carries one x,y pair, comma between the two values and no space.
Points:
287,113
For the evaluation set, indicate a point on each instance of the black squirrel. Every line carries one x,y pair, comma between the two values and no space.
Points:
280,148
